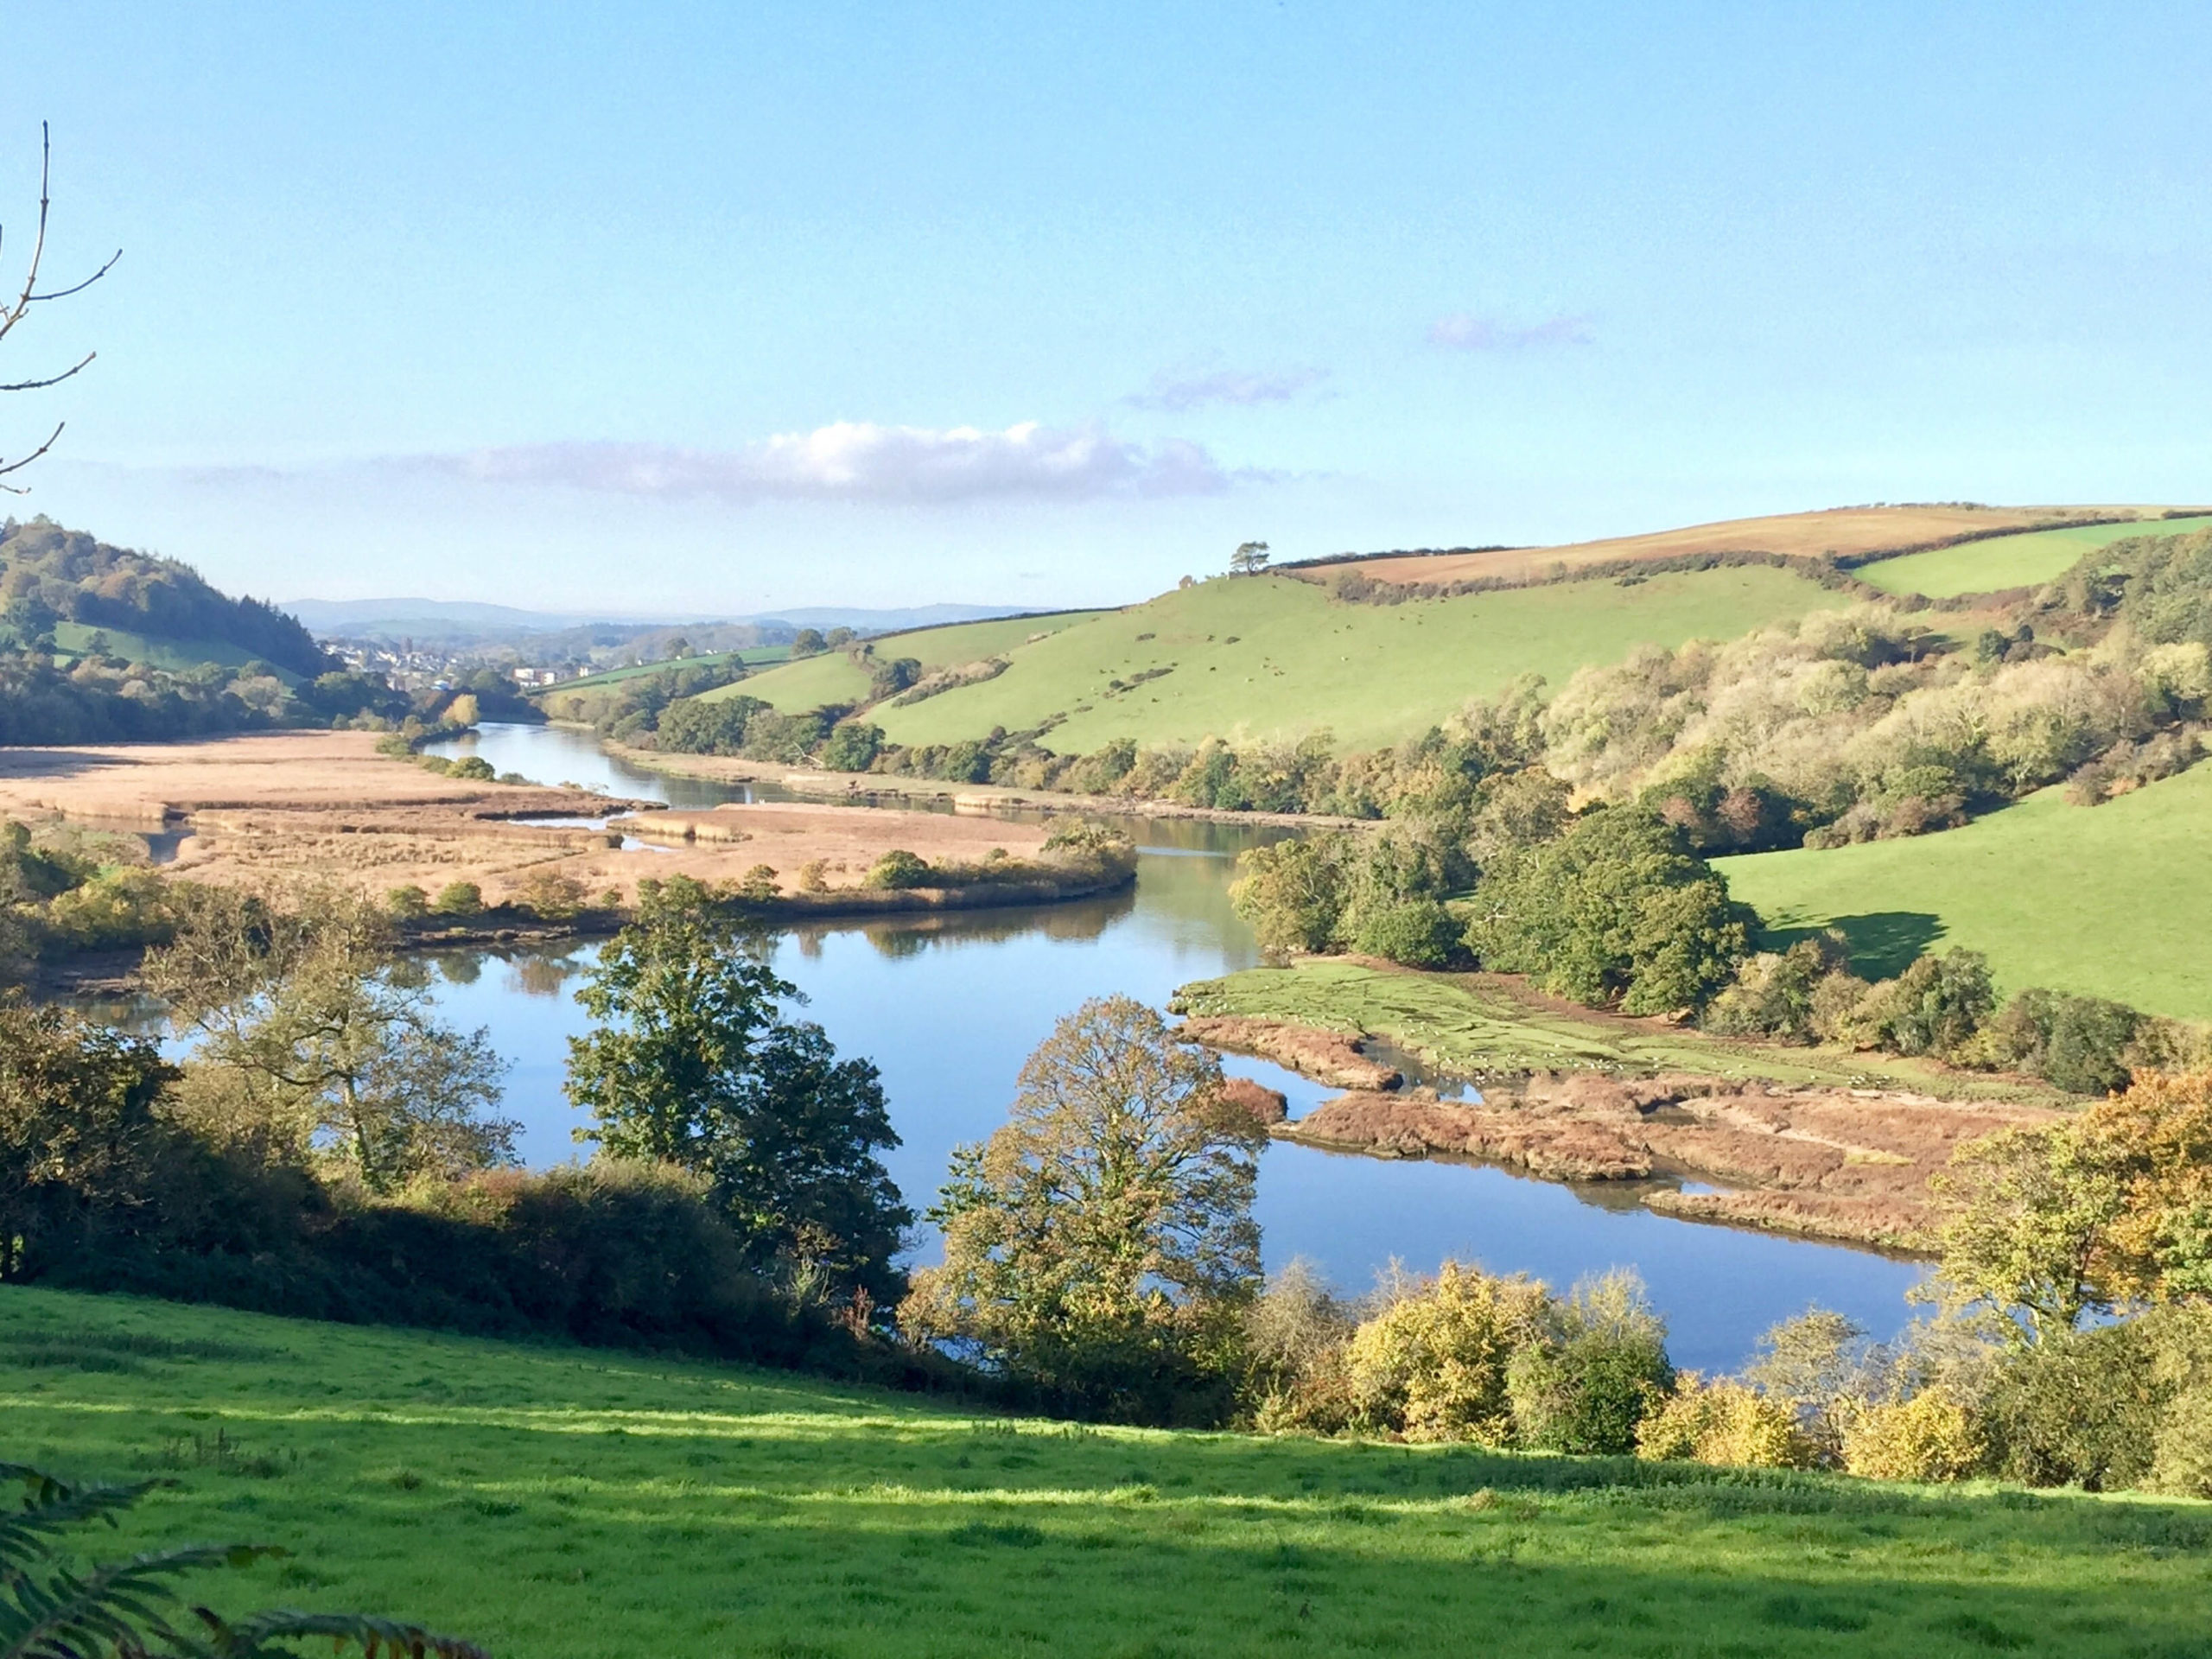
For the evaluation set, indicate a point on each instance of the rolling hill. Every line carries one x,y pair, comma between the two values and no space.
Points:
570,1503
1275,657
1990,566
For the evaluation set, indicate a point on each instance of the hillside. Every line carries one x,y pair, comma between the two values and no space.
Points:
51,576
2001,561
837,677
572,1503
1271,656
2106,900
1849,534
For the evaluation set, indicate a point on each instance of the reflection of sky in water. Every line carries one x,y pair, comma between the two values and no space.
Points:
949,1007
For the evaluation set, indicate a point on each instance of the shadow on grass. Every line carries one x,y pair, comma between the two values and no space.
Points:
1884,943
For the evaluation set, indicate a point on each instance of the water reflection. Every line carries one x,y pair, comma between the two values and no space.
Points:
949,1005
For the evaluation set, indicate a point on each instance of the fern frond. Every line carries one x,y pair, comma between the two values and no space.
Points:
250,1638
49,1505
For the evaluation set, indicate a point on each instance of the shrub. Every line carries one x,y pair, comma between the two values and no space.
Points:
1936,1006
1588,1388
119,907
759,885
2078,1409
1294,1335
2080,1044
852,746
813,876
458,898
1419,932
1774,994
2182,1460
475,768
900,869
1724,1423
1932,1436
407,902
1434,1363
550,894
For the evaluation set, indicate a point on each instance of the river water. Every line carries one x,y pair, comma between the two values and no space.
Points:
949,1007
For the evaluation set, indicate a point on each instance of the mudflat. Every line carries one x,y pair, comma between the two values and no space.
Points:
327,805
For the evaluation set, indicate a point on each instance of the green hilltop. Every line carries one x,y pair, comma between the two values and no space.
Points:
569,1503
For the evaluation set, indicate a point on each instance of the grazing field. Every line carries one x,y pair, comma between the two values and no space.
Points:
567,1504
177,656
2108,901
751,656
2001,561
1844,530
833,676
1274,657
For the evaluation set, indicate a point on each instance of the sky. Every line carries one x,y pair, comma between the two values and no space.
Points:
709,309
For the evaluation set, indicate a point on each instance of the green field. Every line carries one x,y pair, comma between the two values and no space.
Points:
751,656
2111,900
177,656
554,1501
2000,562
1274,656
833,676
1473,1025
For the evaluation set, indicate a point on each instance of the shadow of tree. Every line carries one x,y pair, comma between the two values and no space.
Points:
1884,943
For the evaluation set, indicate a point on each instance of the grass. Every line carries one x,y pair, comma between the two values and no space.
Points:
751,656
177,656
2000,562
1273,657
833,676
1473,1025
2108,900
555,1502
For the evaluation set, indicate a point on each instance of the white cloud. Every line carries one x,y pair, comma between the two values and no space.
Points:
1178,393
859,461
1464,332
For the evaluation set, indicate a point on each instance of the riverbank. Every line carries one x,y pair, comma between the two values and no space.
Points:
873,789
297,807
1816,1143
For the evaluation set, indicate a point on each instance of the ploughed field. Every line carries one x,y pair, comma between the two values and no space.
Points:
560,1503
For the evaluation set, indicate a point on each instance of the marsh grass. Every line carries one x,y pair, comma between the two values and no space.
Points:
560,1502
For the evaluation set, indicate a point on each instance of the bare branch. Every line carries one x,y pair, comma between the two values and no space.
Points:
17,466
14,313
64,293
34,386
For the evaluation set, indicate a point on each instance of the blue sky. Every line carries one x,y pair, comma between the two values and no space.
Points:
718,308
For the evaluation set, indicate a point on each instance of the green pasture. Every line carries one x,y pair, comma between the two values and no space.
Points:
2000,562
1478,1025
2111,900
751,656
558,1504
177,656
833,676
1276,657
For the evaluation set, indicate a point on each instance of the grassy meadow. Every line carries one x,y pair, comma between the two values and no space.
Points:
1274,656
1467,1025
833,676
2001,561
751,656
2108,901
565,1504
177,656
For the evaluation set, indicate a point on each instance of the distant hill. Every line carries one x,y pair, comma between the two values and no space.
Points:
52,577
459,620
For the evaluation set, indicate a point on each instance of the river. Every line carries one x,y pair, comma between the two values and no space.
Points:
949,1007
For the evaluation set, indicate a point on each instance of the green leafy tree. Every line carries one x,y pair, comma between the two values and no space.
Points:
2028,1210
1618,910
51,1608
690,1063
1101,1244
1248,560
309,1030
1293,893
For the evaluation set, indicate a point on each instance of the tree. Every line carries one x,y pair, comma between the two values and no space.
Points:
1248,560
77,1130
310,1030
1293,892
808,642
2028,1210
1616,910
28,296
1101,1244
2156,1139
691,1063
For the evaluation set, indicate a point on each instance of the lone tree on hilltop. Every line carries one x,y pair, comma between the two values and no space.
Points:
28,296
1248,560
